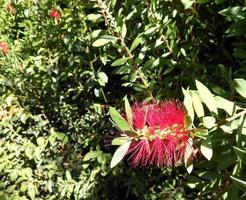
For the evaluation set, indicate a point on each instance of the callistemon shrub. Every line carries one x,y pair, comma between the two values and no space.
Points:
152,134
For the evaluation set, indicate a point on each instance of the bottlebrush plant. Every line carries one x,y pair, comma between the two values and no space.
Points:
161,134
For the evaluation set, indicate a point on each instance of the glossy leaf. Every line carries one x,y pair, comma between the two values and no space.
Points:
119,140
241,154
101,42
197,104
206,148
188,103
240,86
240,183
226,105
128,111
207,97
120,153
119,120
208,121
119,62
136,43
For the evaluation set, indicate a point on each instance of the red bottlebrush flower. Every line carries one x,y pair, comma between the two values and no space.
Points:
3,47
10,8
54,13
162,136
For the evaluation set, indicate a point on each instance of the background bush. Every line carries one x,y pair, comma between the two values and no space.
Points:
60,76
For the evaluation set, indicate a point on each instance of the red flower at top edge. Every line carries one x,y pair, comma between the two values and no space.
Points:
162,137
3,47
54,13
10,8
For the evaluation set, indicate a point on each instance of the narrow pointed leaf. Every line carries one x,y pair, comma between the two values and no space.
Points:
240,183
100,42
128,112
240,86
119,140
118,119
188,156
206,148
135,43
119,62
207,97
197,104
120,153
188,103
226,105
241,154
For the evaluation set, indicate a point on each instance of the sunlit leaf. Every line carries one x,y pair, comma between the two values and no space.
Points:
128,111
188,103
240,86
119,62
119,140
208,121
207,97
118,119
197,104
206,148
188,156
187,3
135,43
120,153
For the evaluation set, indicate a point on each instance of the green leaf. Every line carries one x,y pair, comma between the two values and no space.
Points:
118,119
68,175
226,105
41,141
206,148
150,30
197,104
123,30
240,183
187,3
120,140
240,86
31,190
208,121
103,78
188,103
207,97
120,153
131,133
128,112
103,40
93,17
201,132
100,42
188,122
90,155
119,62
138,40
241,154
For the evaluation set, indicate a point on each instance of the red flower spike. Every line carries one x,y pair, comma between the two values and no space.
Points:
139,119
54,13
4,48
140,153
162,138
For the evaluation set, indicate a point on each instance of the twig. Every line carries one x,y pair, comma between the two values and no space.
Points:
236,116
107,15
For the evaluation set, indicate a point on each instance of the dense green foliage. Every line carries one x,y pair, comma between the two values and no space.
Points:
61,75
